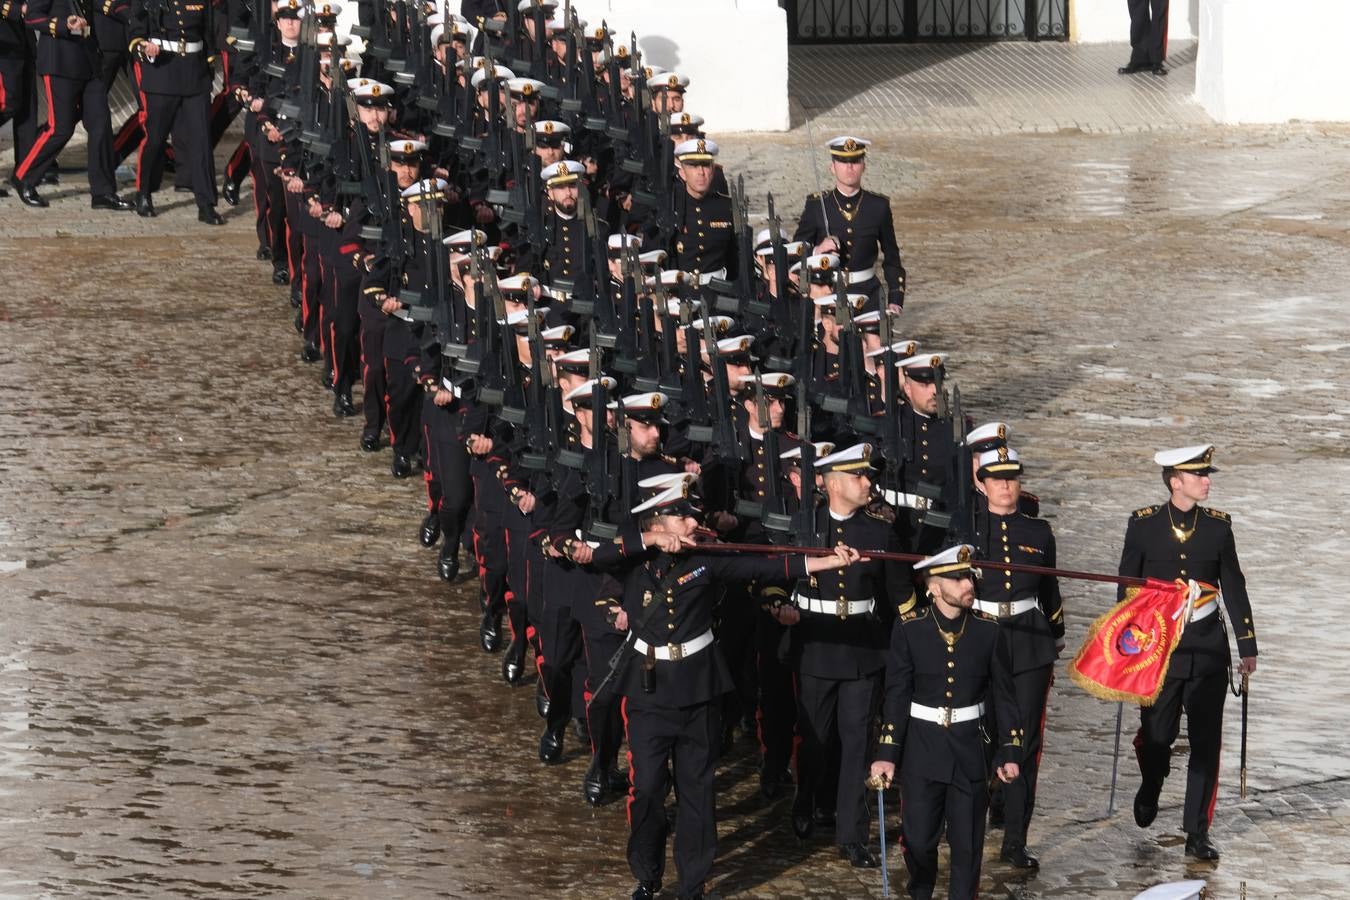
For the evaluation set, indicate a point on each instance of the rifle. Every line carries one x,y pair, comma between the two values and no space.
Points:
747,302
597,472
892,423
770,511
726,442
541,443
852,367
695,394
962,526
804,526
626,339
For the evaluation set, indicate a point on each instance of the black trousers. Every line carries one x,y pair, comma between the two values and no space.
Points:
777,701
489,549
927,806
18,97
294,237
836,710
1148,32
449,488
1019,798
688,737
604,719
560,640
344,329
69,101
186,118
404,404
735,631
1202,698
311,273
518,601
373,384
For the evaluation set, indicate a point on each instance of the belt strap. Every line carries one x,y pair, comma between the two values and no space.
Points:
1006,609
671,652
178,46
1205,611
946,716
843,608
860,276
705,277
900,498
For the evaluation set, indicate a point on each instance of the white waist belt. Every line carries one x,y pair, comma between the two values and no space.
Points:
675,651
1204,612
705,277
830,608
1003,610
450,386
900,498
859,277
402,313
179,46
945,716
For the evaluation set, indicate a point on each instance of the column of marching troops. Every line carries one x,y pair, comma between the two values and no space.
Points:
513,236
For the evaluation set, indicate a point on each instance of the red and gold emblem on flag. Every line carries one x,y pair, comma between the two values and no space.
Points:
1127,651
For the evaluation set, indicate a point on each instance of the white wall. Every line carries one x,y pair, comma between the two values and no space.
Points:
1104,21
1258,63
734,52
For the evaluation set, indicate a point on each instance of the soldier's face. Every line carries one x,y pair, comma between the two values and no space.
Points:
559,46
735,371
680,526
373,117
957,592
1003,494
849,488
564,197
548,155
569,381
405,172
526,112
644,438
829,325
698,177
848,174
289,29
922,395
774,407
1191,486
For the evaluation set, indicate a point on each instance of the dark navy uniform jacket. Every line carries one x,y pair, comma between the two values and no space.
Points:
1209,555
1021,539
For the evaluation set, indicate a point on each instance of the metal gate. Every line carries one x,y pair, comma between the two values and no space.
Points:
890,21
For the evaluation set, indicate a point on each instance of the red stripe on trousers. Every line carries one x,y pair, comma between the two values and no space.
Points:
47,132
1214,795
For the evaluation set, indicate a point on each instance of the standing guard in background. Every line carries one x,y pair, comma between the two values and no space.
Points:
1181,539
174,45
855,223
1029,608
70,65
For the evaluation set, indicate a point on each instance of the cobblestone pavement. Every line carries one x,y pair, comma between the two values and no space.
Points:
227,669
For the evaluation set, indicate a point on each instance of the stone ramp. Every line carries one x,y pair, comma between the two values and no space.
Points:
993,88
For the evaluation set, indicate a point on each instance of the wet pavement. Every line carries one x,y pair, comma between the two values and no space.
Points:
229,670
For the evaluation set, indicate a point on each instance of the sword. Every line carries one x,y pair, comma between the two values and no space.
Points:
1115,762
1242,770
879,785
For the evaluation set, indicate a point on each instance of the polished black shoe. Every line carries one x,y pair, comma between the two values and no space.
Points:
513,662
343,407
208,216
1145,806
540,699
593,784
772,780
401,467
264,253
370,442
145,206
646,890
490,631
803,826
1019,858
551,745
280,276
430,531
29,195
310,353
326,379
53,176
1199,846
1131,68
229,191
110,201
858,856
447,563
1159,69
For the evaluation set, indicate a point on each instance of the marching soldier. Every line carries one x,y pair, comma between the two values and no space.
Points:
704,240
855,223
1182,539
948,667
70,65
839,648
1030,610
173,42
672,684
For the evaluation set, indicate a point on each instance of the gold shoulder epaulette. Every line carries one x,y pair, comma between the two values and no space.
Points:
1146,512
914,615
1217,513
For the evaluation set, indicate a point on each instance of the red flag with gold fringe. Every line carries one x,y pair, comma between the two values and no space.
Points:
1127,651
